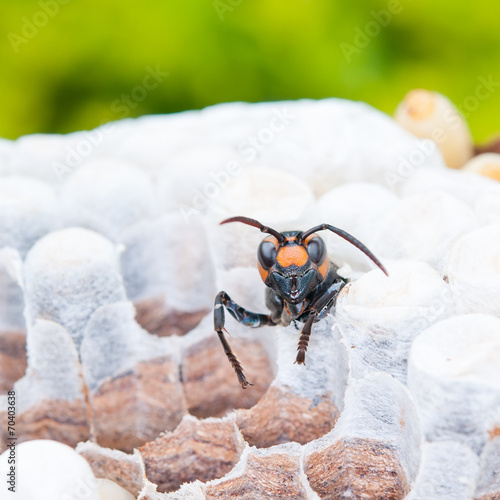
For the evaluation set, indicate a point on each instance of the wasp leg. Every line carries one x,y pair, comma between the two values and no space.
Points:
304,339
244,317
317,310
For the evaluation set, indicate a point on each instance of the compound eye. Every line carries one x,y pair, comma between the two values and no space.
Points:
267,254
317,250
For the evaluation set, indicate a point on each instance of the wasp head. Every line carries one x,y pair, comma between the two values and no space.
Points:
292,267
293,263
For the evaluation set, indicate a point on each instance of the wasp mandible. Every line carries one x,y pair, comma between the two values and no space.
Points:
302,284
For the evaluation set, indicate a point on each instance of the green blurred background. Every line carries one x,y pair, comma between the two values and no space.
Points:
67,64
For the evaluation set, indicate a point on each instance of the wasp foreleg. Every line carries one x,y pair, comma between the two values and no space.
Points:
317,310
304,339
244,317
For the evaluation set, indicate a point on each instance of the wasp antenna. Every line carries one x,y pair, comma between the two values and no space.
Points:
258,225
348,237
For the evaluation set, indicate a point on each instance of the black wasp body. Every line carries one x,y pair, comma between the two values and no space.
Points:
302,284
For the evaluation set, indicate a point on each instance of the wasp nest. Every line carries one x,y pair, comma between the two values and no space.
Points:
111,256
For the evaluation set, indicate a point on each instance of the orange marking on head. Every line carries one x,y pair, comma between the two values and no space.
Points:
292,255
263,273
272,239
323,267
